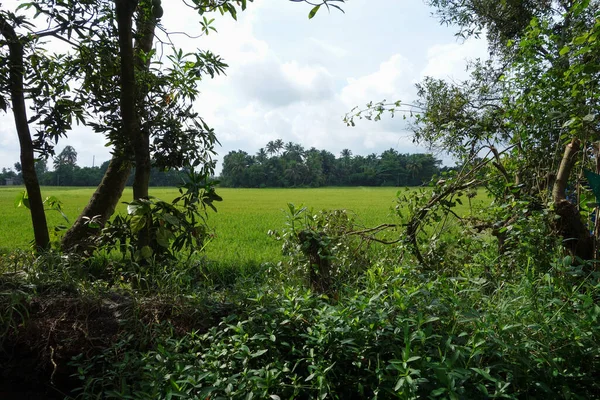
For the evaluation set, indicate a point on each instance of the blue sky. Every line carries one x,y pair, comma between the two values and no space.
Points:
294,78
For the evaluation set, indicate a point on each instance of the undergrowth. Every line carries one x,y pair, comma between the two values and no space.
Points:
403,335
472,327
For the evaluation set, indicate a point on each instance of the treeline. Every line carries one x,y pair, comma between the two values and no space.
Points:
67,173
290,165
276,165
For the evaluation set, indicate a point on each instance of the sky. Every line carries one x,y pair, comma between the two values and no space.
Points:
294,79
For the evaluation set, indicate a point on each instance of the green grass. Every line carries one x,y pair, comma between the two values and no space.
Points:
241,223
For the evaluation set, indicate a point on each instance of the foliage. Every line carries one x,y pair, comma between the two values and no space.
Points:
390,330
290,165
403,335
529,112
172,227
322,248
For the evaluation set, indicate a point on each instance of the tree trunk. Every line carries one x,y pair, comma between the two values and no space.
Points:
132,96
124,10
17,69
576,236
146,24
104,201
102,204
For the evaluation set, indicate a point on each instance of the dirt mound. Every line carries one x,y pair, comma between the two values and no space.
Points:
34,357
49,330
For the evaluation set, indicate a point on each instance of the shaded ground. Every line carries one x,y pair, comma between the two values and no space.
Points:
45,332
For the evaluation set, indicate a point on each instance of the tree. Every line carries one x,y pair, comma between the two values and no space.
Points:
278,146
122,100
261,155
41,167
155,108
531,109
67,157
157,121
271,148
23,59
315,168
64,166
235,165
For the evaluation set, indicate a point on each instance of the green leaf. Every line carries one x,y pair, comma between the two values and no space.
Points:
399,383
581,39
163,237
146,252
137,223
594,181
313,12
22,200
171,219
485,374
589,118
570,122
259,353
564,50
133,208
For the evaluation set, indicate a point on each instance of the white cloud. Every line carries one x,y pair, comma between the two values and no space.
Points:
391,81
295,79
448,61
278,83
332,49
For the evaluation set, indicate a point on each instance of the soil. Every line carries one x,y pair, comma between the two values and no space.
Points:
35,355
34,358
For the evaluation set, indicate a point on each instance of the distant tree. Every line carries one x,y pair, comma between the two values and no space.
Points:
278,146
261,155
299,167
235,169
41,167
271,148
293,152
67,157
65,164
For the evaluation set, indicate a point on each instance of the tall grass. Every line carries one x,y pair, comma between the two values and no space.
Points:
240,225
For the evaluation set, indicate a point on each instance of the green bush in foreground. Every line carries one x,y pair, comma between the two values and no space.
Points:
403,335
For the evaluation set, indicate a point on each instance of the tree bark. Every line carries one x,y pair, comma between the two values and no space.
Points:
132,96
124,11
17,71
564,171
146,24
101,205
576,236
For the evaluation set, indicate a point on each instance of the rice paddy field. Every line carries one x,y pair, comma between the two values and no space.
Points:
241,223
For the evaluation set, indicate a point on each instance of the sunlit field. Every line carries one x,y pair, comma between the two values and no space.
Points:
241,223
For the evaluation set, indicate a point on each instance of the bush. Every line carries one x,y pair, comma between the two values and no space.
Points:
404,335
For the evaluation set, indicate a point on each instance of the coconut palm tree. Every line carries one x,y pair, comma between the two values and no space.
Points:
261,155
278,145
271,148
68,156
